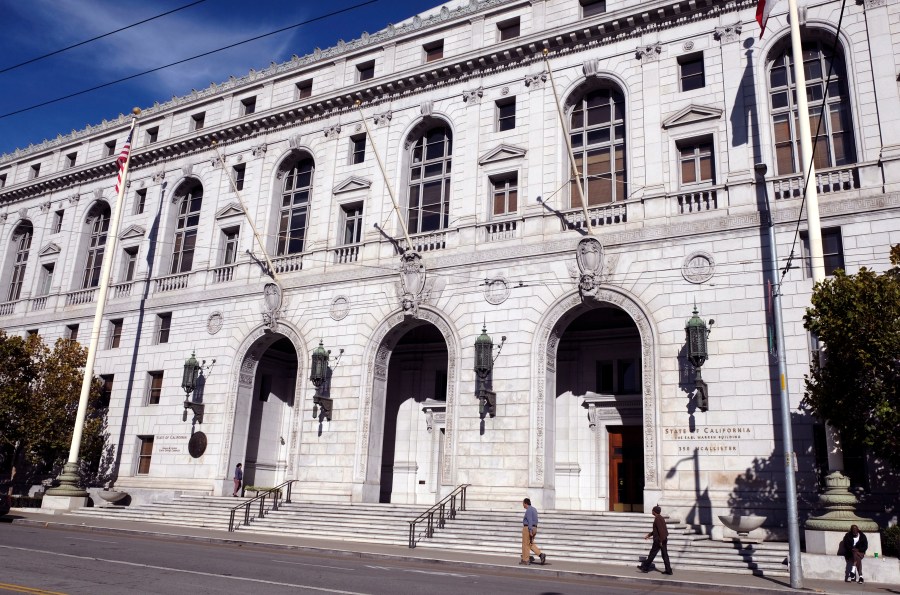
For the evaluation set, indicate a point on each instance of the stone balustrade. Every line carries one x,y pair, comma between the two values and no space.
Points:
8,308
288,264
222,274
835,179
171,283
82,296
696,201
496,231
602,215
345,254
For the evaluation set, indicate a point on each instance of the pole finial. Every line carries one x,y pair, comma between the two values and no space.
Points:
136,111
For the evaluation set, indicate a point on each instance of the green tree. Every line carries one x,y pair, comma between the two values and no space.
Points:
39,391
857,388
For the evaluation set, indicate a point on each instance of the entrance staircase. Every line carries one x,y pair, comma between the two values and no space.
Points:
564,535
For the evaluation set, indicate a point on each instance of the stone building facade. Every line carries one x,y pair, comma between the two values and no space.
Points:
669,105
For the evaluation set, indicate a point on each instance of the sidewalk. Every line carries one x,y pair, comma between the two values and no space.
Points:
695,580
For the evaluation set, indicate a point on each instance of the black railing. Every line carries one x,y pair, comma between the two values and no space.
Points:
445,509
275,492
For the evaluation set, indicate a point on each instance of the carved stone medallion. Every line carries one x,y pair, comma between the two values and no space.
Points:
496,290
340,307
214,323
589,256
272,299
698,267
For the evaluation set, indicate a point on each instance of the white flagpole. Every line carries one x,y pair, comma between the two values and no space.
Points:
66,495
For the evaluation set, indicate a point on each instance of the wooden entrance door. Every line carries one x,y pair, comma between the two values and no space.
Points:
626,469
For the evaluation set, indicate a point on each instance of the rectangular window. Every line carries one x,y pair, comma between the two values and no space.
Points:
691,72
109,148
505,194
357,149
197,121
35,170
106,386
70,159
145,452
72,332
238,173
152,135
154,387
365,71
353,218
57,221
163,326
115,334
46,279
231,238
140,201
2,180
590,8
304,89
508,29
605,377
832,250
506,114
434,50
696,163
129,263
248,106
629,376
32,332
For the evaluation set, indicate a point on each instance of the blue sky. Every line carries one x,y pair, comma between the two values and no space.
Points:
37,27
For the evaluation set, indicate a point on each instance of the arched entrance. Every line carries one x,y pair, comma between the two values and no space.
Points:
406,435
595,405
262,417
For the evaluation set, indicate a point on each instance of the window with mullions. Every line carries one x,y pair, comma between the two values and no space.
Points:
598,142
833,136
352,223
21,241
696,159
186,230
295,199
429,181
505,194
98,222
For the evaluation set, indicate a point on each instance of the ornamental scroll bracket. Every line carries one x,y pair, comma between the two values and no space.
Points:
592,270
272,306
415,286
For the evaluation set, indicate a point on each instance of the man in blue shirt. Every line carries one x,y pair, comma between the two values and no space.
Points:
529,530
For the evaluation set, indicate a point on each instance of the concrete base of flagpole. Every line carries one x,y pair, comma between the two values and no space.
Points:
67,495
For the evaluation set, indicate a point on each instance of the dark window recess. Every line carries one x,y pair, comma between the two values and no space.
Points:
440,385
72,332
239,175
35,170
140,201
605,377
832,250
434,50
164,325
57,221
152,134
365,71
629,376
357,149
304,89
115,333
2,180
70,159
248,106
198,120
154,387
590,8
106,386
109,148
506,114
509,29
691,72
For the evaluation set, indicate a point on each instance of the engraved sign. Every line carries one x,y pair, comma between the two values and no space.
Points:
171,443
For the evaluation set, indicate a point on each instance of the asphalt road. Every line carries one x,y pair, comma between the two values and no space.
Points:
41,560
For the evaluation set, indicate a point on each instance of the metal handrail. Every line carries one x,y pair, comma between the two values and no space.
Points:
276,497
444,514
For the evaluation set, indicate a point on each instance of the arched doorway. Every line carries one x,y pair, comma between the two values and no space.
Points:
406,434
263,423
599,464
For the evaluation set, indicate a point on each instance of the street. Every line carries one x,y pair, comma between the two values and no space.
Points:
51,560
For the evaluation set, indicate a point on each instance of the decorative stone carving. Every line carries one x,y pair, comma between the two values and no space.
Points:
272,300
698,267
158,177
332,131
535,81
688,46
874,3
426,108
216,162
435,414
504,91
187,169
4,217
383,118
648,53
98,194
214,323
340,307
591,67
73,200
473,96
259,150
294,141
415,287
502,152
728,33
589,256
45,207
23,213
496,290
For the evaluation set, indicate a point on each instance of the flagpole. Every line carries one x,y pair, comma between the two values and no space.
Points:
68,495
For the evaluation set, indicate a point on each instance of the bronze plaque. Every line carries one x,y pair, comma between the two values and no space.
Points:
197,444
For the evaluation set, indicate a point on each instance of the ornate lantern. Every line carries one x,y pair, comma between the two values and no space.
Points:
318,375
484,367
189,377
696,332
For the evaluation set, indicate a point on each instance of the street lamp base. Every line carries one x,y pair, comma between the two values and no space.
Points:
63,503
67,495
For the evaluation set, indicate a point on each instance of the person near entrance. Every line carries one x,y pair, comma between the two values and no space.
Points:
529,532
660,535
238,479
855,546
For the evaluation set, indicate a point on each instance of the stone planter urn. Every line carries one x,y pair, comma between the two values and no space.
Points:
112,496
742,524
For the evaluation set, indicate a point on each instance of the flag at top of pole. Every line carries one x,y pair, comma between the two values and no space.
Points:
123,158
763,10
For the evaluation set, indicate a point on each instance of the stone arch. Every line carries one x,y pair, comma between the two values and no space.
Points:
246,360
550,330
374,375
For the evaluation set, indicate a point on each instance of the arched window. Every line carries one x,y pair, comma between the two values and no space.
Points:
597,129
429,180
98,222
186,230
834,143
295,199
21,244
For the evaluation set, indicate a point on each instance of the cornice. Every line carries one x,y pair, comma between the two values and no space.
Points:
584,35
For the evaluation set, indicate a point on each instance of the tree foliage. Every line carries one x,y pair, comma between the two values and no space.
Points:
857,387
39,391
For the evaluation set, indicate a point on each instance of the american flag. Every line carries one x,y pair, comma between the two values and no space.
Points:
120,161
763,10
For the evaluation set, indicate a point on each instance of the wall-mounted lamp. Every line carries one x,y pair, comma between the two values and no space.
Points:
319,375
192,369
696,332
484,368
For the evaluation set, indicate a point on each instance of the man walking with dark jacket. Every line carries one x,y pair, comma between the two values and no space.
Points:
660,535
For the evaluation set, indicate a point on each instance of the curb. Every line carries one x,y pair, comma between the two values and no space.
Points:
632,580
